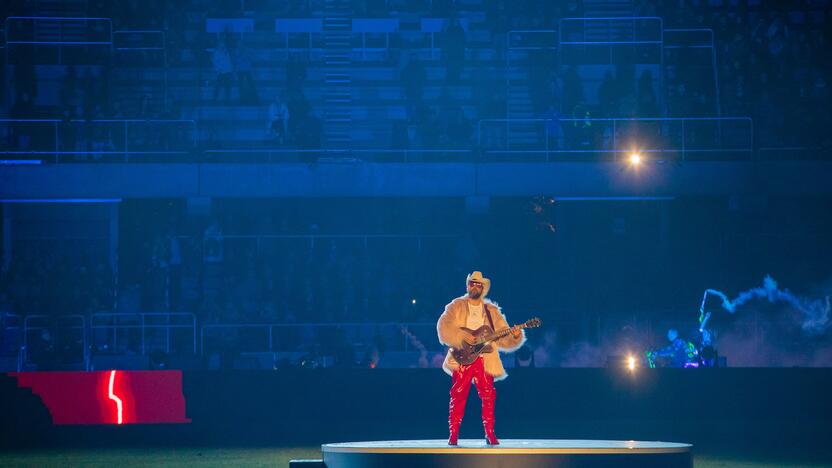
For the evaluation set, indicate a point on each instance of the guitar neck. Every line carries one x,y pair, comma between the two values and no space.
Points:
499,334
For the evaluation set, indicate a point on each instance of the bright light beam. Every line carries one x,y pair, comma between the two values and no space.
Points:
115,398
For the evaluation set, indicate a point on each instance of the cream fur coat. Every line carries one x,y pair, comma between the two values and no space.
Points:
450,333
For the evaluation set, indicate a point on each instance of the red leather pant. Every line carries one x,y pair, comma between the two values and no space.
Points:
462,378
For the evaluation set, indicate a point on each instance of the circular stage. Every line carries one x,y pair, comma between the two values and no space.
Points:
516,453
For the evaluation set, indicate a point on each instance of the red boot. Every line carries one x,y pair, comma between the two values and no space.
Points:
488,395
459,396
490,437
454,438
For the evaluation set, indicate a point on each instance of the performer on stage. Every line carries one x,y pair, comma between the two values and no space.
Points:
679,353
472,311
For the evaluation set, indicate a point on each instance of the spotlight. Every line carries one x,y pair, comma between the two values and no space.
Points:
622,362
413,301
635,159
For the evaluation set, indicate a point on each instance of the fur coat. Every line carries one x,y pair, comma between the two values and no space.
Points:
449,329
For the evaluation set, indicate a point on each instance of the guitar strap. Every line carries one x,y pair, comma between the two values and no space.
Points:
488,316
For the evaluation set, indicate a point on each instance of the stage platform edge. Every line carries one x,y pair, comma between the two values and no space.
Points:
517,453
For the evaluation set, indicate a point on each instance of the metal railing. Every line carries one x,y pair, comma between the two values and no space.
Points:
618,30
12,328
261,239
43,30
684,138
58,31
579,343
612,40
97,138
532,39
57,325
310,29
114,325
146,39
343,155
288,337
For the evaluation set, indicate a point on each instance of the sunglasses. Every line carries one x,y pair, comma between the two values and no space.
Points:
474,283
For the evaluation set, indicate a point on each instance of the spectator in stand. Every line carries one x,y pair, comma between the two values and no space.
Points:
278,126
224,70
213,243
554,128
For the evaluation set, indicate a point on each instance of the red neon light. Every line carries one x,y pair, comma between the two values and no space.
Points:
140,397
112,396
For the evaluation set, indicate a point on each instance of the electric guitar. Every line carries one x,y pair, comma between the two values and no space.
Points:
469,353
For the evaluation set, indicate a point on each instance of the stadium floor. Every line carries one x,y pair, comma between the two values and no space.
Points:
279,457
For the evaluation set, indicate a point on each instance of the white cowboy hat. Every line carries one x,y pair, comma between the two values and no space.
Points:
478,278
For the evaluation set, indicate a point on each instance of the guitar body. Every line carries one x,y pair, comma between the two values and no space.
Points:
469,353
